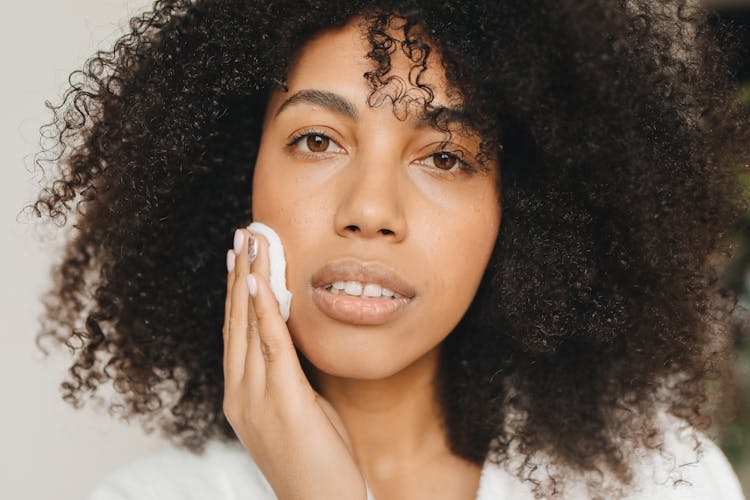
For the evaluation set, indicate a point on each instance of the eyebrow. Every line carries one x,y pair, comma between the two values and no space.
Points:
340,105
329,100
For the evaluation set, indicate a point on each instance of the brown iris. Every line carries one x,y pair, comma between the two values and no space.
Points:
444,160
317,143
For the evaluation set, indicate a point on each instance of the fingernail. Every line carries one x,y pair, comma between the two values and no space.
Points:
239,239
252,248
230,260
252,286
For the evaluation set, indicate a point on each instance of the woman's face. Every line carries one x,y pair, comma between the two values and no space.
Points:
371,197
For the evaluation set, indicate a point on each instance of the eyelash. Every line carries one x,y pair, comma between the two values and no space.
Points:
462,164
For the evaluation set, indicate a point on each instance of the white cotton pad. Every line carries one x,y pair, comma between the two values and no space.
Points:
278,266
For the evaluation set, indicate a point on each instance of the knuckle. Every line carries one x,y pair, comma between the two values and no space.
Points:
260,314
270,351
252,329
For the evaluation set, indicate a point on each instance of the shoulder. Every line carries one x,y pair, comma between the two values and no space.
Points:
689,467
222,471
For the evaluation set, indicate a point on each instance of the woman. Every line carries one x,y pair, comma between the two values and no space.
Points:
530,200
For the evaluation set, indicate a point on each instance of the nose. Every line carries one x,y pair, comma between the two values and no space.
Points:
372,205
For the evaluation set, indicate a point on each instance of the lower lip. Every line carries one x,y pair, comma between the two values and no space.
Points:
358,310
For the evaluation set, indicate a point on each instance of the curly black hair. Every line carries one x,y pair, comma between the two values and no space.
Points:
621,146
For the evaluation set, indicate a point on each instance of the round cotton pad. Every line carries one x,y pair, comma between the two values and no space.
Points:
278,266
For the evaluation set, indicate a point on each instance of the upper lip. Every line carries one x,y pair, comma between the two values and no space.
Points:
350,269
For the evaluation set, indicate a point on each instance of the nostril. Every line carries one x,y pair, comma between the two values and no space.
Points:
355,228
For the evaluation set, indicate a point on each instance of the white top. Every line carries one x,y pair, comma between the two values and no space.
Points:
227,472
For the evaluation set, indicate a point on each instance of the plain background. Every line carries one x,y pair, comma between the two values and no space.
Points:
49,450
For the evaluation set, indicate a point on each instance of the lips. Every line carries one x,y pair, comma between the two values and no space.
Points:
350,269
360,310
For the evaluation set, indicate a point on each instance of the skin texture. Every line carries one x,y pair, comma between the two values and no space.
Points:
372,174
621,144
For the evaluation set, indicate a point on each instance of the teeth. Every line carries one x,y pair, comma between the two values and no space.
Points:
358,289
353,288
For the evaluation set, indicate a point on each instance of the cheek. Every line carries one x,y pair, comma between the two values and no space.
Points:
280,201
459,257
299,215
269,191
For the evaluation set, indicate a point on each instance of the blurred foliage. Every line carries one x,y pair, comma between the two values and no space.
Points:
744,94
734,435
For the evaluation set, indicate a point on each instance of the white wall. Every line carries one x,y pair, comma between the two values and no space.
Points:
49,450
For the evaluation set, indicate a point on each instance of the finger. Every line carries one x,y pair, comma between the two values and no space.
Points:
261,270
283,371
262,263
255,369
237,343
231,257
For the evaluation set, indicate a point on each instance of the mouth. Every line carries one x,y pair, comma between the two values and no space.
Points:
361,293
358,310
356,289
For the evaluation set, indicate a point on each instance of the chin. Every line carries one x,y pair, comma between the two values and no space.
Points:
361,365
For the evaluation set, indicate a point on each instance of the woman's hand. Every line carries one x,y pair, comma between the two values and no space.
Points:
293,434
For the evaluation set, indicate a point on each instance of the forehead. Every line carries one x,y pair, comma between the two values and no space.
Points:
337,60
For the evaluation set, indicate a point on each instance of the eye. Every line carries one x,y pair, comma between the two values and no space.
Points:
310,141
446,160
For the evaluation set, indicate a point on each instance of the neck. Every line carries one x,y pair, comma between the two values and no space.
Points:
394,423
